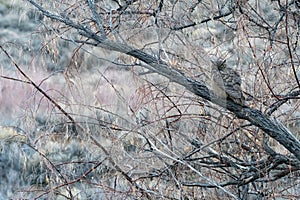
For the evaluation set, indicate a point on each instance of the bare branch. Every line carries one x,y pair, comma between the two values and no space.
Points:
96,18
255,117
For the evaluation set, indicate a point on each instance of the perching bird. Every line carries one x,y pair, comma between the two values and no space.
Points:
226,83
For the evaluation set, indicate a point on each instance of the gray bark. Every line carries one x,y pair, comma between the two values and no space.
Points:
271,127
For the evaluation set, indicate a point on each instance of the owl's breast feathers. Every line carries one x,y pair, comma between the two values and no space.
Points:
227,83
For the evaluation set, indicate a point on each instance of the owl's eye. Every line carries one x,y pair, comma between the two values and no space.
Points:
222,66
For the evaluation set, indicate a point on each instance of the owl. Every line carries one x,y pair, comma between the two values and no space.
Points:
226,83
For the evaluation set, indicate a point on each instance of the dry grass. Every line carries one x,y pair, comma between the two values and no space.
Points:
132,134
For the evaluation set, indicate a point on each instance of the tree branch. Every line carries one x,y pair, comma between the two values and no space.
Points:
271,127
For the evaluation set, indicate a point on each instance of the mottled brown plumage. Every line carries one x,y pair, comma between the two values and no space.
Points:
226,83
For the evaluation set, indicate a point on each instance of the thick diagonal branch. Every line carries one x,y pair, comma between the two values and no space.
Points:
271,127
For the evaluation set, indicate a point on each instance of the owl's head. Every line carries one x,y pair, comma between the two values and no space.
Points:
220,64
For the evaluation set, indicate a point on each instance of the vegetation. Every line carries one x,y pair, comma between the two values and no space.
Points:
114,101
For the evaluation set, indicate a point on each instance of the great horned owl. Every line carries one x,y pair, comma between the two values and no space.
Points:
226,83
